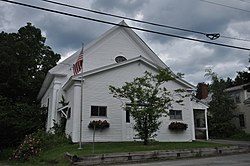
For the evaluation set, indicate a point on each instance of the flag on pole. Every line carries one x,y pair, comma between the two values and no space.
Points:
78,65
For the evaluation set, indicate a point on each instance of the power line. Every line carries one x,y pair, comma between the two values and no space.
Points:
244,1
125,26
234,38
227,6
123,17
211,36
231,7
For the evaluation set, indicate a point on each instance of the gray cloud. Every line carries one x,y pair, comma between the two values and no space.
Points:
127,7
66,34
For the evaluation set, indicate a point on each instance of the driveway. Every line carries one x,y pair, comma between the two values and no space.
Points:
230,142
231,160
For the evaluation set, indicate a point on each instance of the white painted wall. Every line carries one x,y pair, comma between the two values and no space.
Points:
96,92
104,51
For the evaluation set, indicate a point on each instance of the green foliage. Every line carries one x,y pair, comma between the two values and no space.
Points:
60,127
98,124
18,120
30,147
241,136
148,101
33,144
180,75
177,126
52,139
242,77
55,154
220,109
25,60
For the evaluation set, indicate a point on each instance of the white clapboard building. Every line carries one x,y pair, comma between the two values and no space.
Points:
116,57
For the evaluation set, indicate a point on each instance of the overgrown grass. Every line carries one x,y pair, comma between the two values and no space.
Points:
121,147
242,136
55,155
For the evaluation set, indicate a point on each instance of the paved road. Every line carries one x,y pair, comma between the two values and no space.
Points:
232,160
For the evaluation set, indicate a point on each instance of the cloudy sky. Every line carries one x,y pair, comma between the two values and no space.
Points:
229,18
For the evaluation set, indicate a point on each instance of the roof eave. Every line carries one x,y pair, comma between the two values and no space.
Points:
46,83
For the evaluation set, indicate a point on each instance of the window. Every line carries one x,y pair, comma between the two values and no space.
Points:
48,105
128,108
242,120
175,114
236,97
69,113
120,59
98,111
127,116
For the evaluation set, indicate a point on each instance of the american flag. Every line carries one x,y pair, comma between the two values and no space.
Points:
78,65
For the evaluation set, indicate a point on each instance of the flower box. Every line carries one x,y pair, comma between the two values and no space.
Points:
177,126
98,124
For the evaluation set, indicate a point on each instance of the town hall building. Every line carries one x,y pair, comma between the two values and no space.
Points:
116,57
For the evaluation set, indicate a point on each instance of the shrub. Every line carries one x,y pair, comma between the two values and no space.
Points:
98,124
34,143
31,146
177,126
240,135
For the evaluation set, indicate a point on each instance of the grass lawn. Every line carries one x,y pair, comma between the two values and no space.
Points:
55,156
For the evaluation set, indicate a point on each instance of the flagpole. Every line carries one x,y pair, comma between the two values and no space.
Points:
80,138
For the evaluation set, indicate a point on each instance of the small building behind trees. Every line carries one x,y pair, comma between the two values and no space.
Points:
241,97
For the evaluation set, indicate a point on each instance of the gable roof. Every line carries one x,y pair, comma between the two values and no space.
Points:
70,60
138,41
239,87
129,31
247,101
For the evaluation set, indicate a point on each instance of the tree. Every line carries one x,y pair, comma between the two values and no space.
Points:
18,119
147,101
220,108
243,77
25,61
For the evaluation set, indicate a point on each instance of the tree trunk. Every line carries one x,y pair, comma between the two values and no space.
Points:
145,130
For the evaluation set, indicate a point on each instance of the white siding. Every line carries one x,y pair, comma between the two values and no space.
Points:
164,134
96,92
105,51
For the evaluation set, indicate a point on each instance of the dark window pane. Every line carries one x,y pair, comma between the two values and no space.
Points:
127,116
102,111
94,110
69,113
178,115
175,114
172,114
242,120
